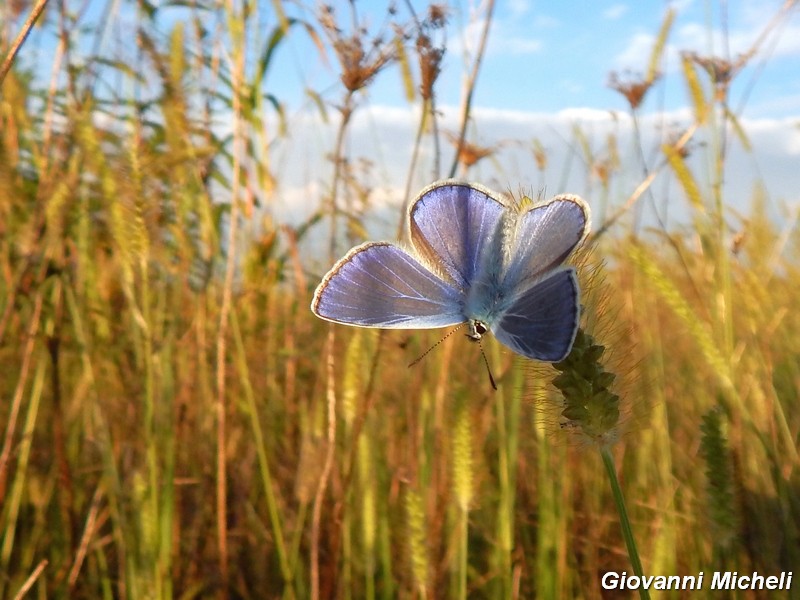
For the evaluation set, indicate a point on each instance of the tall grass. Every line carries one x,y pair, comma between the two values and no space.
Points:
176,423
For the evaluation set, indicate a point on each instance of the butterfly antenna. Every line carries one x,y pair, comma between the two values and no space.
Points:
488,368
424,354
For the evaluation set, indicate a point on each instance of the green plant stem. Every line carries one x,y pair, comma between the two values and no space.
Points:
237,78
505,515
627,532
250,407
19,391
14,501
316,513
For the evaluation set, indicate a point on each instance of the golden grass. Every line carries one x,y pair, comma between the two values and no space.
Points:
166,429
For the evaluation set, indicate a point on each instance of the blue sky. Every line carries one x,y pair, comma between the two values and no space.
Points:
546,72
547,56
562,52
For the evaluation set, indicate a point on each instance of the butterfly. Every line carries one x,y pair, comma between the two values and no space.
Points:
475,258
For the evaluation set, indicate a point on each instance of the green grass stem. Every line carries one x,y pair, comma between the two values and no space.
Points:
624,520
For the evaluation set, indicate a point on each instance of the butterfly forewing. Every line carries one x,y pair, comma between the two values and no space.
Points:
544,237
457,227
381,285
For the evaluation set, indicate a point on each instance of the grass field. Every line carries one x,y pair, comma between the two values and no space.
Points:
177,424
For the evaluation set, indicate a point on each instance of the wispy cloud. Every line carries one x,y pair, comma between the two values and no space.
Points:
518,8
516,45
698,37
636,52
505,38
386,134
542,21
615,11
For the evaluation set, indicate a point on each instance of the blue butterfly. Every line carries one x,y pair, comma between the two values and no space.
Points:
476,259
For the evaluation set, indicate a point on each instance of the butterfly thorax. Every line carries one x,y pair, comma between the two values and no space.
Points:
485,302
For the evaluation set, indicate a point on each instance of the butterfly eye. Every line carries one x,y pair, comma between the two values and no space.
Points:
476,330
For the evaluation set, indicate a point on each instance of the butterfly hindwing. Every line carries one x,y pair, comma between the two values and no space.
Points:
542,321
382,285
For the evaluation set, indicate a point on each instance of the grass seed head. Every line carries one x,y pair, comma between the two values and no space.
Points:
590,405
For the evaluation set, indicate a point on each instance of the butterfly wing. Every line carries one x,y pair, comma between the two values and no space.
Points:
381,285
457,228
544,237
542,321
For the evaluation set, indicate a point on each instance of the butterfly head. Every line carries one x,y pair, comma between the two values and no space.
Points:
476,329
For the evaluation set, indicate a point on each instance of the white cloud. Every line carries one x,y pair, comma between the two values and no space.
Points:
789,43
680,5
541,21
637,53
589,115
508,38
386,136
515,45
570,86
785,103
518,8
774,136
615,11
697,37
503,39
